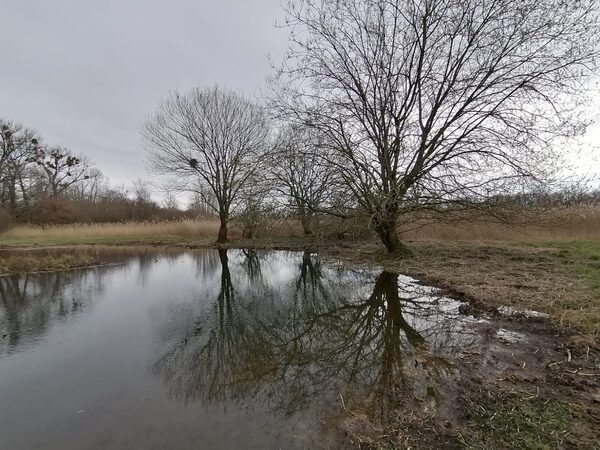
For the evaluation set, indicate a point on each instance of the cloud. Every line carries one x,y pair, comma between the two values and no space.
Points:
85,74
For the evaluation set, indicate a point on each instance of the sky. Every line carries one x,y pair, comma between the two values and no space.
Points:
85,74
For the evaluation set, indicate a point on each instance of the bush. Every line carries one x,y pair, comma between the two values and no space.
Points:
56,211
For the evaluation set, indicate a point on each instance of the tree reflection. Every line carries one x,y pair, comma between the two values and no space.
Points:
252,265
219,356
318,342
30,303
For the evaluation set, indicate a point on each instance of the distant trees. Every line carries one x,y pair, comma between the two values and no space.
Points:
214,140
427,102
60,168
17,146
47,184
32,173
301,174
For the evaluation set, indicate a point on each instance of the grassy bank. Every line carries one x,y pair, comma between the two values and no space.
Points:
14,264
581,224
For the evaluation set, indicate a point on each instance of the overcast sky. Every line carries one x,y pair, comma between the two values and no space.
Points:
85,74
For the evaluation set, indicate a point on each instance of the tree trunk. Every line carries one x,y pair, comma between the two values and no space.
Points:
386,230
222,229
12,195
306,225
305,220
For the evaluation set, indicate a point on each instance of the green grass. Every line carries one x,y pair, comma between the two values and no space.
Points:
583,256
517,423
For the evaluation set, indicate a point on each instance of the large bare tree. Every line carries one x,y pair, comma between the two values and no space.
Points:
212,138
427,102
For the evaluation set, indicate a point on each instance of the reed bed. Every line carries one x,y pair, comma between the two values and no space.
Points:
563,225
183,228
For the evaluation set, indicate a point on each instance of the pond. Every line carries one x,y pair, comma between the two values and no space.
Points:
219,349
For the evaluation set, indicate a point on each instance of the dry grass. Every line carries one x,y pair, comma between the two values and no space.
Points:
561,279
572,224
575,224
118,231
183,231
34,263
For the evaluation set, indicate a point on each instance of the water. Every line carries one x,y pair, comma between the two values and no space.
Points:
217,350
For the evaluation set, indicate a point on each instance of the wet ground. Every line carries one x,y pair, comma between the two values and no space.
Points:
243,349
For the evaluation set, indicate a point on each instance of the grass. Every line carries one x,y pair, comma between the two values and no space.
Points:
509,421
559,225
581,224
109,233
560,279
34,263
585,256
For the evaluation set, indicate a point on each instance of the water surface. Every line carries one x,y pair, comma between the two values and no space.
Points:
217,350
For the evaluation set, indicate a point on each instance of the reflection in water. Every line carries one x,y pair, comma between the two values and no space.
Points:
31,303
251,349
321,335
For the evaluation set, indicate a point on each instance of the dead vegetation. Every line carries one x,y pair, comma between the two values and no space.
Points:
99,231
35,263
581,223
559,224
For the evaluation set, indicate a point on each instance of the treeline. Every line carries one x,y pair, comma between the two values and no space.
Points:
43,184
564,198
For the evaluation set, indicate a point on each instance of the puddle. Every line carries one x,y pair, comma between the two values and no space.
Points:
509,337
527,313
220,349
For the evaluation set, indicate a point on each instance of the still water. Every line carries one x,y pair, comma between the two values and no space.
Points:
217,350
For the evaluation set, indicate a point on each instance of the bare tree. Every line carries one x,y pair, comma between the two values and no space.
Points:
199,203
61,168
212,137
170,201
432,101
90,188
142,192
301,174
17,145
